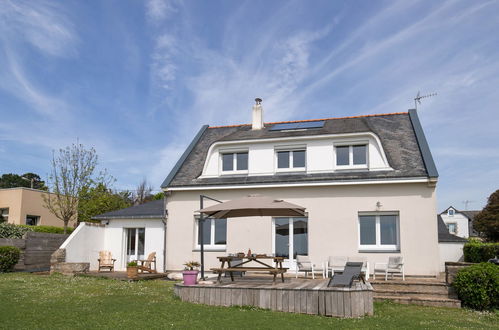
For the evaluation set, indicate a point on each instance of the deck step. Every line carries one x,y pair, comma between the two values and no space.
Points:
410,293
435,301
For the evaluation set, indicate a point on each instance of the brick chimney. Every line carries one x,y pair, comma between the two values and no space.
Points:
257,115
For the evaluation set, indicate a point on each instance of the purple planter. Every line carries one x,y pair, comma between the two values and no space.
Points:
190,277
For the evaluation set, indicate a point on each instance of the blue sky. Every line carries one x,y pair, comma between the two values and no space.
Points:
136,79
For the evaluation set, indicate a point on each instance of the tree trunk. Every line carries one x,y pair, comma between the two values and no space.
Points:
66,226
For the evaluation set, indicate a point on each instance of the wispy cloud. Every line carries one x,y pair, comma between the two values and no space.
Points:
158,10
40,23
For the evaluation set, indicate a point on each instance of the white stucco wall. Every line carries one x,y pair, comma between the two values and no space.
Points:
84,244
450,252
461,221
332,223
115,239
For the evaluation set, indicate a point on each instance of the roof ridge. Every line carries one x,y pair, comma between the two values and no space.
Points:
319,119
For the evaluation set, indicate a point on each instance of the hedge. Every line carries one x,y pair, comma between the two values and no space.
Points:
48,229
478,286
480,252
9,256
8,230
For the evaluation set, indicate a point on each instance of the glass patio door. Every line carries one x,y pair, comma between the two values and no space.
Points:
290,239
135,241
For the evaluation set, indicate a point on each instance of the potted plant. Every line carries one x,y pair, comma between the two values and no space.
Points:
190,273
132,269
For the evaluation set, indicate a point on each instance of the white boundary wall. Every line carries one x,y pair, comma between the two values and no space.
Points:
450,251
84,244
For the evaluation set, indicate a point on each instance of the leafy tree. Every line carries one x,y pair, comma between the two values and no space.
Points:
11,180
158,196
72,173
487,221
100,199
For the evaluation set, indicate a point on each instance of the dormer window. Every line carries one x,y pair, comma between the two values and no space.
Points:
450,212
351,156
234,162
291,160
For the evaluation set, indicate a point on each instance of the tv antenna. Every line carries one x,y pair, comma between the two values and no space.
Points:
466,203
418,98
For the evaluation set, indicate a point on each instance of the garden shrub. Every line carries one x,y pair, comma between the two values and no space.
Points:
9,256
476,251
8,230
478,286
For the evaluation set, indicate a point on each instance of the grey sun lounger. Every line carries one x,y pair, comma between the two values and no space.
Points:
352,271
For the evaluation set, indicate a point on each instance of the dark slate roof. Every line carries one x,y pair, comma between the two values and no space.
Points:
395,132
470,214
444,235
149,210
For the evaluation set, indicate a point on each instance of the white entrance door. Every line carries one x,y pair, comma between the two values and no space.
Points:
135,240
290,239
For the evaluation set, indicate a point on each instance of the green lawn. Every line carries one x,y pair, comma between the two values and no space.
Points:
42,301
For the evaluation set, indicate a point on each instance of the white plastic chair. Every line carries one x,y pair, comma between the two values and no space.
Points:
335,264
304,264
393,266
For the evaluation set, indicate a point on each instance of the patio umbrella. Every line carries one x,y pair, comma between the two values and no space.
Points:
253,205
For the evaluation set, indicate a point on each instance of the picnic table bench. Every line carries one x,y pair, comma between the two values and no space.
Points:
274,270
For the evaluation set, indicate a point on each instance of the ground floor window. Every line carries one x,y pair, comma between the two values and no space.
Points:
379,231
4,215
214,233
135,242
291,237
32,220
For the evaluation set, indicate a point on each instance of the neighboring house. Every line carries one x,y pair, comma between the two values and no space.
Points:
24,206
459,223
367,183
450,246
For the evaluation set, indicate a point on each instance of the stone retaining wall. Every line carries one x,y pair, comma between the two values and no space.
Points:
451,269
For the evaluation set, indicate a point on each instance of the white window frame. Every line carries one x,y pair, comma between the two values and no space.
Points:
211,246
234,153
350,146
378,246
37,221
291,150
451,212
455,226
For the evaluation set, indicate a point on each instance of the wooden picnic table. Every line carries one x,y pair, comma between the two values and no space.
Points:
265,267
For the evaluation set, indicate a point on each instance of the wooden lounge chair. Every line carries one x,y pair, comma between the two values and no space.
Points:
145,265
106,261
352,271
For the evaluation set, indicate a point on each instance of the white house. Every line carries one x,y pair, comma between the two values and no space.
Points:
459,223
367,183
450,246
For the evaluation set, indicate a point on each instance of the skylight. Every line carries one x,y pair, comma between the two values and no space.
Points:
296,126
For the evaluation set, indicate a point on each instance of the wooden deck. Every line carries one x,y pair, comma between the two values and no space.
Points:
123,277
294,296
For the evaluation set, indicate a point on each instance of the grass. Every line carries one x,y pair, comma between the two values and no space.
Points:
55,302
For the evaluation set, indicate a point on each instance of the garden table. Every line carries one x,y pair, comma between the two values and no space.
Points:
264,267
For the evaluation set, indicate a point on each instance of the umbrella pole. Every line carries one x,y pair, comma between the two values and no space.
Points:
201,229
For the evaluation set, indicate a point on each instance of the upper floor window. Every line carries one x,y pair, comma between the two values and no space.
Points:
234,162
450,212
351,155
4,215
291,160
452,227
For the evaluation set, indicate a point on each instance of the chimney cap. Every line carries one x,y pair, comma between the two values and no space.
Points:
258,100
